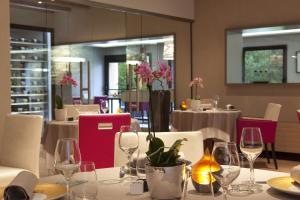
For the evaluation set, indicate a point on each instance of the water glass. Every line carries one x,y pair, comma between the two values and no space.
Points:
129,143
85,184
216,100
141,161
67,158
225,154
251,145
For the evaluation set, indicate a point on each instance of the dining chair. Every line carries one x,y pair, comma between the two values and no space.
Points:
75,110
20,146
96,137
76,100
101,100
298,115
192,148
267,125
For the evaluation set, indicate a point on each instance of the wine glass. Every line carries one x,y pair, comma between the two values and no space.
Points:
225,154
67,158
129,143
216,100
141,160
103,107
251,146
85,182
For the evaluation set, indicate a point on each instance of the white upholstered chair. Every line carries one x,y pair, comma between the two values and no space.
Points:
75,110
192,149
20,146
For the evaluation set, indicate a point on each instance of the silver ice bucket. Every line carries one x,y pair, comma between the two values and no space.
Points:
167,182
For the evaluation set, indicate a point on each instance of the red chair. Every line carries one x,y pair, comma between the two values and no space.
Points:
298,115
97,137
267,125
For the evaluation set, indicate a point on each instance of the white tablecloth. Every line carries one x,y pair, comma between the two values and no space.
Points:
223,120
120,191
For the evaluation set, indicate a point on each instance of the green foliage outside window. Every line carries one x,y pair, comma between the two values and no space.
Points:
263,66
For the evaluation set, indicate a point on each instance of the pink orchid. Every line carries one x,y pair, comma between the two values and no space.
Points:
198,81
66,80
145,72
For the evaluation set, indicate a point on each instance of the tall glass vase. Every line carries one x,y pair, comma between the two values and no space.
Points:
159,110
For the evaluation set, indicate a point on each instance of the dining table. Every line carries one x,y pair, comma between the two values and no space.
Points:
55,130
222,119
110,187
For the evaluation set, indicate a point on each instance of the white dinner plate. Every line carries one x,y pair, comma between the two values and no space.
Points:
285,184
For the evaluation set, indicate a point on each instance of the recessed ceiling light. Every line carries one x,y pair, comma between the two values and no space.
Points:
40,2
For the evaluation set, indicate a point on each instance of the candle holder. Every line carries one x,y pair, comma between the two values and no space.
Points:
202,179
183,105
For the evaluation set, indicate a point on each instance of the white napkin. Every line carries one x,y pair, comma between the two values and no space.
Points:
21,188
295,173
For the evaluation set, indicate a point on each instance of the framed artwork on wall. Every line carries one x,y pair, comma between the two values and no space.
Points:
298,61
265,64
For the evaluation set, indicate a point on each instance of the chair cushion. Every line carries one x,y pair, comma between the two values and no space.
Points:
7,174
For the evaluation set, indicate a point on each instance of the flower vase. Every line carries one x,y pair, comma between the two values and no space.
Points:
166,182
61,114
195,104
160,110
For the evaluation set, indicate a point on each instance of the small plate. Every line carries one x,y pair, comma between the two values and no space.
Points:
285,184
52,191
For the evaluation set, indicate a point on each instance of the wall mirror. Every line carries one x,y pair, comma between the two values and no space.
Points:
97,44
267,55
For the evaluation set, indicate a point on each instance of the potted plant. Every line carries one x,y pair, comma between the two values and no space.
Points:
161,76
165,173
60,111
195,103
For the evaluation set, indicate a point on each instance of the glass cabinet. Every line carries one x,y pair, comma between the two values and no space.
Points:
30,50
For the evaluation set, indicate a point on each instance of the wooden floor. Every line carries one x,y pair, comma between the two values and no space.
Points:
283,165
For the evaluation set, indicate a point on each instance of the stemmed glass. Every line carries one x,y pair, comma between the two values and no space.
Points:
85,182
216,100
67,158
129,143
103,107
225,154
141,161
251,146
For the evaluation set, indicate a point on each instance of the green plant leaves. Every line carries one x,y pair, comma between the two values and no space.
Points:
158,157
58,102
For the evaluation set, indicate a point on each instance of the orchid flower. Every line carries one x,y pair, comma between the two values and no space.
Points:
68,80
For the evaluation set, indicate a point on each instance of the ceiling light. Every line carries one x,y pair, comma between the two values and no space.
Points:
119,43
40,2
68,59
274,32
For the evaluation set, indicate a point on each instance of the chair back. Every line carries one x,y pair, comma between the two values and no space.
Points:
76,100
100,99
20,145
272,112
192,149
298,115
75,110
96,137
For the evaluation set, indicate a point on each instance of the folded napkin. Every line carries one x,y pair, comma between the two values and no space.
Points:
295,173
21,188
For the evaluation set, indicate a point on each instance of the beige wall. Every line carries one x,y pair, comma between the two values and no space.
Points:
4,62
177,8
212,18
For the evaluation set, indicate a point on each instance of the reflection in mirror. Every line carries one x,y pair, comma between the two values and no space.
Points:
119,58
263,55
98,47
